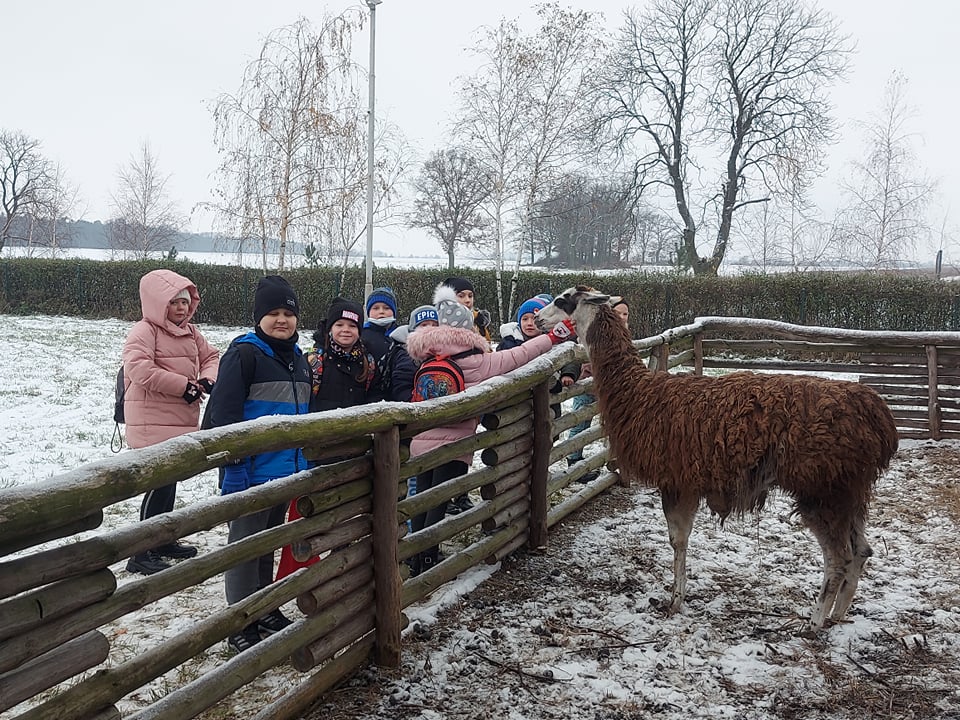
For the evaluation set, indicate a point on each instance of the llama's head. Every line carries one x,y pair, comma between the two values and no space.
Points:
578,303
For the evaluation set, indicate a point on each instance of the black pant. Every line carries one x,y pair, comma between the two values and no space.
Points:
432,478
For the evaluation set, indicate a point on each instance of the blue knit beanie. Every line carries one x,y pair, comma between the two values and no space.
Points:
533,305
384,295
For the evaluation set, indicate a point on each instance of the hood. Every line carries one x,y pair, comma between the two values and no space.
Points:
443,340
157,289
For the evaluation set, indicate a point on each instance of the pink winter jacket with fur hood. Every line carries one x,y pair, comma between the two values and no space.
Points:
428,342
159,357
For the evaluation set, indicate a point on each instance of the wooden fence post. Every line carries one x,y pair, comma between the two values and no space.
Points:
698,353
386,571
933,400
540,470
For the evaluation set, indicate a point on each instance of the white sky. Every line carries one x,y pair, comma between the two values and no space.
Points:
92,80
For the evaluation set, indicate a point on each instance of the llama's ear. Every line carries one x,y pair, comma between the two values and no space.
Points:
596,298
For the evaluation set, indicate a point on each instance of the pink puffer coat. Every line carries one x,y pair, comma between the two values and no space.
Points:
428,342
159,358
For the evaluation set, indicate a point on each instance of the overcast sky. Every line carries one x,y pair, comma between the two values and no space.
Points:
92,79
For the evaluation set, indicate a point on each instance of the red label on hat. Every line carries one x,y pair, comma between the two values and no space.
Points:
350,315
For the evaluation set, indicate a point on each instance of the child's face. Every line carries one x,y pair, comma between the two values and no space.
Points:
344,333
279,323
177,310
624,312
379,310
528,325
427,323
466,298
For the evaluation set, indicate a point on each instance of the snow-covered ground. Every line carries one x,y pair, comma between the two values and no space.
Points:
578,631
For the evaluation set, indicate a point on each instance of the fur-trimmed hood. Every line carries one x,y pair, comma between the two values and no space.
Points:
428,342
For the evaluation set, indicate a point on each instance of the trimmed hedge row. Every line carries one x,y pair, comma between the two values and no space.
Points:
91,288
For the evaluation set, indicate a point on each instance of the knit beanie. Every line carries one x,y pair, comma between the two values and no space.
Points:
182,295
533,305
459,284
343,309
384,295
449,311
546,297
274,292
422,314
618,300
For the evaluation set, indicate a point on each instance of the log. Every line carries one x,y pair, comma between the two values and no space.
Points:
88,522
52,668
316,600
559,511
385,560
507,415
110,685
563,478
454,524
490,491
294,704
578,442
343,635
519,533
507,516
317,502
521,445
207,690
344,534
933,407
568,420
27,611
539,472
83,557
135,595
350,448
108,713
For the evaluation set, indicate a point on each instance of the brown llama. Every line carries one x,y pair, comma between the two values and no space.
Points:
729,440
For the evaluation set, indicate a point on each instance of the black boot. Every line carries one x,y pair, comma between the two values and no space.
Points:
413,562
147,563
429,558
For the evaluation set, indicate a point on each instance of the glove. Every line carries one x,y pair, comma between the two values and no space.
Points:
482,320
562,331
235,479
192,393
206,384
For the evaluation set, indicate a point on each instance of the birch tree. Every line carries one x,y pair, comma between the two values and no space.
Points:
145,220
887,193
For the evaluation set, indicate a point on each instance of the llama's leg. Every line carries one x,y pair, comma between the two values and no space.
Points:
854,568
837,556
679,510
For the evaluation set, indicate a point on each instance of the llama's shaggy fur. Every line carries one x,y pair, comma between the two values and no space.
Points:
729,440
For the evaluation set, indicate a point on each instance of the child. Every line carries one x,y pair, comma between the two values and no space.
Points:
455,335
262,373
524,329
344,373
622,309
167,367
394,367
423,316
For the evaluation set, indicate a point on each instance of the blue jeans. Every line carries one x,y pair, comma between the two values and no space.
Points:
580,401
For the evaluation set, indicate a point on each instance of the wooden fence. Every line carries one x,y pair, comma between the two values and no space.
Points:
58,591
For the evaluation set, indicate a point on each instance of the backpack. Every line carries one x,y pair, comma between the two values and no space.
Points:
439,376
116,442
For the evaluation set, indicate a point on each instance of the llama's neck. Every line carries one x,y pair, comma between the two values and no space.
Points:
609,344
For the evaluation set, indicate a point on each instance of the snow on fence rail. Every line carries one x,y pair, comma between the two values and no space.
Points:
57,591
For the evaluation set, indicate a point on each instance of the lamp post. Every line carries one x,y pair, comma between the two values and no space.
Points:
368,285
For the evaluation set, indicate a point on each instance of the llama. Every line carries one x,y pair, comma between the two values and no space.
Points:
729,440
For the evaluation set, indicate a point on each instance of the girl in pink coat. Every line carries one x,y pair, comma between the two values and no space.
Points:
455,335
167,367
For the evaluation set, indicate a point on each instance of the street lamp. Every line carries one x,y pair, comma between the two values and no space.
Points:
368,285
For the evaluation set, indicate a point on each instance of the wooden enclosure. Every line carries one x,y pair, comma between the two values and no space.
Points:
59,590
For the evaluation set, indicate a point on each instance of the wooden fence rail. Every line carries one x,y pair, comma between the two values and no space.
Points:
59,591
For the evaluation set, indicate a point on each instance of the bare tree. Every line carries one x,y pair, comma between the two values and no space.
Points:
742,80
450,190
493,104
145,220
291,141
24,173
888,194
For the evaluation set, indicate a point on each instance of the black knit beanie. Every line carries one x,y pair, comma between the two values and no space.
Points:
274,292
459,284
343,309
